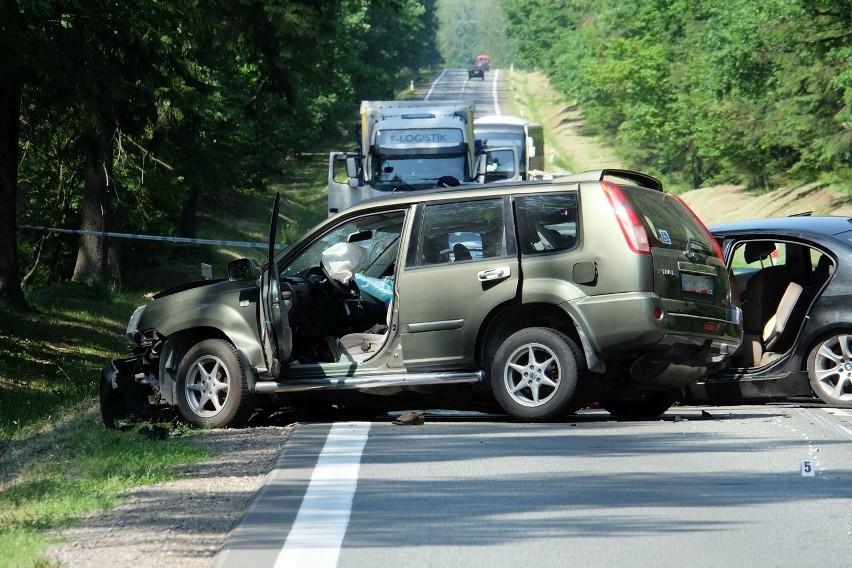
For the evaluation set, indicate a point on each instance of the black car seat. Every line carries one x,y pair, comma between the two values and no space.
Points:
764,289
461,252
823,271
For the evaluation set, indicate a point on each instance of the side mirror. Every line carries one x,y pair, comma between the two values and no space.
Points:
351,167
243,269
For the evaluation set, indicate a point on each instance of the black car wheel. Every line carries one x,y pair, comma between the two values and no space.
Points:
535,373
212,386
830,369
644,405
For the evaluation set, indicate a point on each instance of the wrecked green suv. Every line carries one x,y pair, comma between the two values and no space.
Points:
542,295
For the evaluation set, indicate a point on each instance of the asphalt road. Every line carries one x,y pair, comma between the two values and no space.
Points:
489,95
476,490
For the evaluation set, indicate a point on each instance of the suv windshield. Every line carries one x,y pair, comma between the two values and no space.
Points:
378,234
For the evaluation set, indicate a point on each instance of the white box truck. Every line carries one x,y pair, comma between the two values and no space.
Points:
501,131
405,146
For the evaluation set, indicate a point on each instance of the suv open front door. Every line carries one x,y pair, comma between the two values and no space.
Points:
275,332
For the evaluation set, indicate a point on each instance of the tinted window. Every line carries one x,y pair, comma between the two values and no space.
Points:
668,223
461,231
547,223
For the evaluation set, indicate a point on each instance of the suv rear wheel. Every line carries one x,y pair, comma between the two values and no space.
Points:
535,373
212,386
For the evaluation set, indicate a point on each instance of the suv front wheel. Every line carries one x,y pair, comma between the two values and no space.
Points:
535,372
212,387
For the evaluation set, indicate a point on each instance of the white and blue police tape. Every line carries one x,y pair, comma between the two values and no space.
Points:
153,237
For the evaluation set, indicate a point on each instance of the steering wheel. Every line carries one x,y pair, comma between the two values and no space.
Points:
352,292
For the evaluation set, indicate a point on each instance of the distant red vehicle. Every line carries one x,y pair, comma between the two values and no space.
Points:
484,61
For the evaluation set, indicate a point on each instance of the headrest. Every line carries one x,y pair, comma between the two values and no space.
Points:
758,250
343,260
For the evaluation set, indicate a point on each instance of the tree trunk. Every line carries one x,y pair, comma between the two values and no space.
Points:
187,227
10,113
93,253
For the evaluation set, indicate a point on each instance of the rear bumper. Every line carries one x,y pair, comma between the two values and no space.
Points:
669,349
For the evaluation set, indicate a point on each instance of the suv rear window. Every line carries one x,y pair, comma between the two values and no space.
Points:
668,224
547,223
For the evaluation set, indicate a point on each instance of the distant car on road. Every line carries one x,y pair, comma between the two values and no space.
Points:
476,70
540,296
794,276
484,60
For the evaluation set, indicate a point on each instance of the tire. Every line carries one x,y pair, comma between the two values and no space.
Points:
639,406
830,369
212,386
535,374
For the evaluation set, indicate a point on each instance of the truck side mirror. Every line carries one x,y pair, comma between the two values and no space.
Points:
351,167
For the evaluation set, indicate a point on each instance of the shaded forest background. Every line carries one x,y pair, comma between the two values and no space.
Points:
124,117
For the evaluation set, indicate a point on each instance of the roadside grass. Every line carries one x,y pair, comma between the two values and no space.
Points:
76,467
537,108
57,461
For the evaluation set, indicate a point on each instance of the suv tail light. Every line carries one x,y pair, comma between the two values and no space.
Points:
631,227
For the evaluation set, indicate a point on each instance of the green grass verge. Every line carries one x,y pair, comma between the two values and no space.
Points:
75,468
537,109
57,461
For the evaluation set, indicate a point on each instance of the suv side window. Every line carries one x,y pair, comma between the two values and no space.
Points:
547,223
461,231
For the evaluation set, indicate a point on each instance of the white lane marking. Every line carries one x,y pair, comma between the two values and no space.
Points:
828,424
320,525
435,82
836,412
494,93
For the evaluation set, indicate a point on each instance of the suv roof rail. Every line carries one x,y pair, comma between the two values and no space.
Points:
616,175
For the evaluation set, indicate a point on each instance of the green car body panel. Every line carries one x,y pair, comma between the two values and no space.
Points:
468,268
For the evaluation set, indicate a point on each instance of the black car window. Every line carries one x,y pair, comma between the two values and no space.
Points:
547,223
461,231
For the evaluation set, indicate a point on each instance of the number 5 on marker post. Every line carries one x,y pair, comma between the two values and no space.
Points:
808,469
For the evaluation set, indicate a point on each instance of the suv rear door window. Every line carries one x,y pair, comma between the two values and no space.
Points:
547,223
460,231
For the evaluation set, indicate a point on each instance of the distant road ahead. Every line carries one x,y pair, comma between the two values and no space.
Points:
489,95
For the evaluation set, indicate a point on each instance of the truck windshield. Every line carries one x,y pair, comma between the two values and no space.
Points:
395,173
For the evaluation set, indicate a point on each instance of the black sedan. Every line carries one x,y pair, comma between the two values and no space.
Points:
794,277
476,70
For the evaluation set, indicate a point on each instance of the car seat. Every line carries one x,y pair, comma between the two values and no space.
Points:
461,252
783,326
764,289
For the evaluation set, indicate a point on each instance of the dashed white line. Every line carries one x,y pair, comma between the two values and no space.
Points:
320,525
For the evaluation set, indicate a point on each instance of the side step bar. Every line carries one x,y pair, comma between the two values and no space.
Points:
367,382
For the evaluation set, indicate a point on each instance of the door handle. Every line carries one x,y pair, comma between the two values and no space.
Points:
492,274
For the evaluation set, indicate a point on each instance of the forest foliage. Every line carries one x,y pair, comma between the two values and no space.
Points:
703,91
123,116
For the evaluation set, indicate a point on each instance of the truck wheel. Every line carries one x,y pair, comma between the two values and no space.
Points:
212,386
830,369
535,372
644,405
